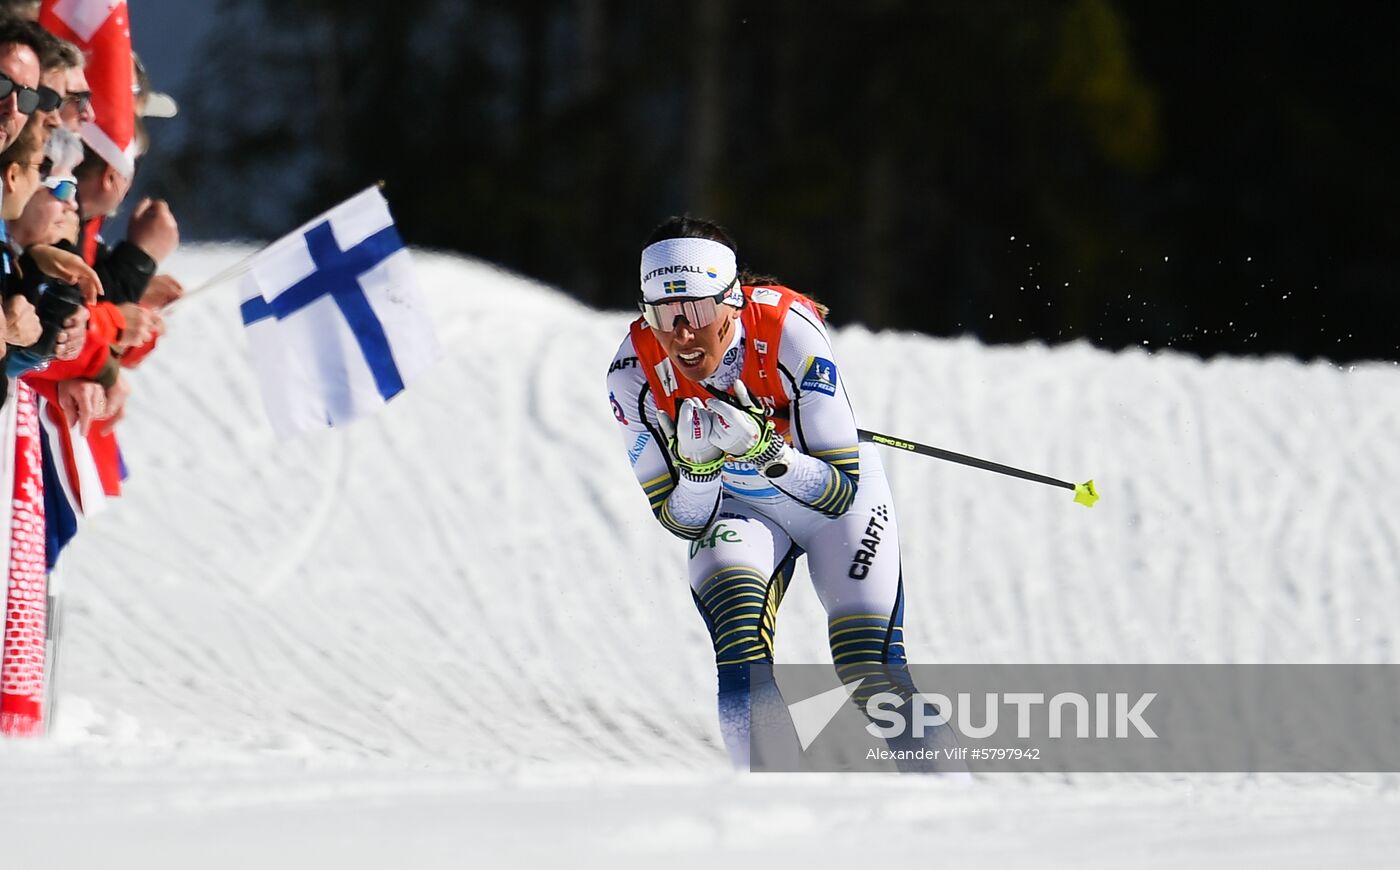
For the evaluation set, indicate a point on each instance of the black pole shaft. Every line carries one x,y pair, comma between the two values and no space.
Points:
961,459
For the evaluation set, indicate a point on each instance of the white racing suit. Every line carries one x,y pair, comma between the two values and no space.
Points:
746,531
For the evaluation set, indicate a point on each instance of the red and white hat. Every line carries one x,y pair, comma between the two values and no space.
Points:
102,30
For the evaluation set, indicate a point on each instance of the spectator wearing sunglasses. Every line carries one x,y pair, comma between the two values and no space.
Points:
741,435
84,376
85,381
21,177
56,58
58,197
20,44
77,102
51,216
20,180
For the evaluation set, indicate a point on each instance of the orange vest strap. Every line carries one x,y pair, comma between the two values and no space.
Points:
765,309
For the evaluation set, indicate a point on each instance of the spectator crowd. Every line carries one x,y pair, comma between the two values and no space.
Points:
79,310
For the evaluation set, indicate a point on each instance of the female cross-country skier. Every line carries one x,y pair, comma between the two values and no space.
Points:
735,417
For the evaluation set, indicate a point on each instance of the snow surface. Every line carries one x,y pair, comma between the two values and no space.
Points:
453,635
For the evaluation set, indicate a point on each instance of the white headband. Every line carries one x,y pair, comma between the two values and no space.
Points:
686,267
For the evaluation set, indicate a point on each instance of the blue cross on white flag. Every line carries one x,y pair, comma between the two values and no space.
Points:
336,322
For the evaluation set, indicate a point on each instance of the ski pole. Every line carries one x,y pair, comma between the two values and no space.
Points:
1084,493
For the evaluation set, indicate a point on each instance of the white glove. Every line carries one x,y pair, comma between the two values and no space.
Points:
744,433
736,431
690,441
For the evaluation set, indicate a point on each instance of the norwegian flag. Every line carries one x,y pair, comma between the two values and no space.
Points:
72,484
102,30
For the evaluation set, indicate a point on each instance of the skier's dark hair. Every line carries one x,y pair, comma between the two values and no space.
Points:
688,227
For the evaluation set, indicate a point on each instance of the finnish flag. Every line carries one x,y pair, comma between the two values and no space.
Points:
336,322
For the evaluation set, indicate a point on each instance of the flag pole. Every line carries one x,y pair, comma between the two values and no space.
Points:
226,275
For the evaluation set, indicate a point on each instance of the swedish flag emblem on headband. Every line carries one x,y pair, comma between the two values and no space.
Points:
674,286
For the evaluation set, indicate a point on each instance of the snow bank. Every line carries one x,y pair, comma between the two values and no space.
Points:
454,631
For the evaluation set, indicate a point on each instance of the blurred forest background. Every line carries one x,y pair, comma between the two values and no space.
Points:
1206,177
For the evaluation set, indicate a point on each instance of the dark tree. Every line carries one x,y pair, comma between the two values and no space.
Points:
1211,179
